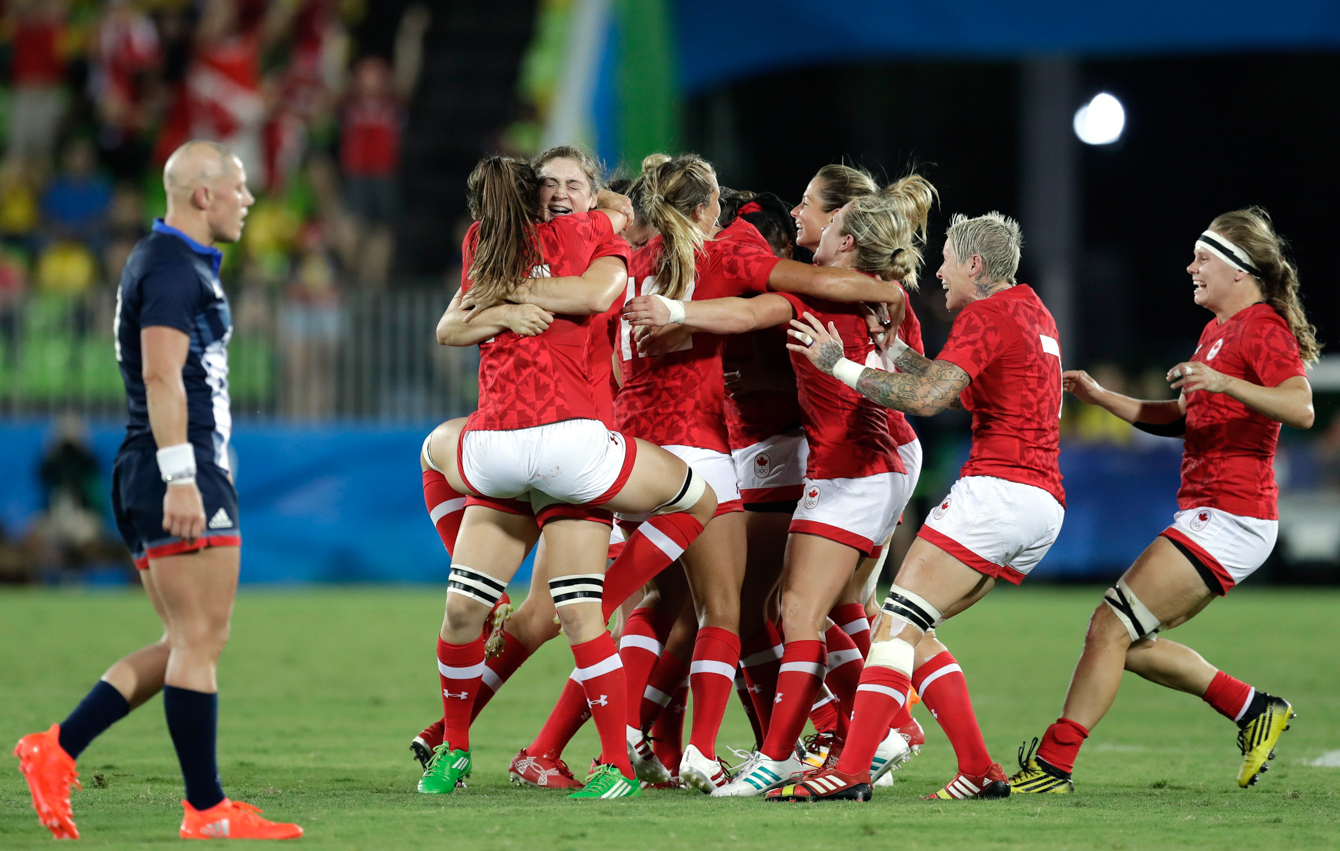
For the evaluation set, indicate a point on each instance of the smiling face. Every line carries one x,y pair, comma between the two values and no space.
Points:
833,244
810,217
564,188
228,203
958,279
1218,286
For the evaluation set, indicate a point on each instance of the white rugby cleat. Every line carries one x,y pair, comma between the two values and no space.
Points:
891,753
760,774
646,765
705,775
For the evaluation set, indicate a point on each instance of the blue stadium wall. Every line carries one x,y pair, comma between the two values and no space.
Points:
344,503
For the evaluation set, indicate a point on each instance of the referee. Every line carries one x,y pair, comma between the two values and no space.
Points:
173,496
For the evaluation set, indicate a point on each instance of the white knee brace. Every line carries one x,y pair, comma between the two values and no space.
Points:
428,454
577,588
689,493
894,653
1139,621
911,608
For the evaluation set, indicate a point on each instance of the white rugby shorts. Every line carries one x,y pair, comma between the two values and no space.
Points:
860,513
716,467
996,527
772,470
1230,546
911,455
576,461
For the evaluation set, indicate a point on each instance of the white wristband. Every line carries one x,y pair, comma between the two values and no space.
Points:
848,372
676,309
176,464
896,348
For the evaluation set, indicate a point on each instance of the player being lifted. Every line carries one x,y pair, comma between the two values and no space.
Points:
173,496
1244,379
1002,362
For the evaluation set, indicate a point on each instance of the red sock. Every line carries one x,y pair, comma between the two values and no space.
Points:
851,619
499,670
601,673
640,647
432,734
667,731
760,657
798,681
949,703
845,662
459,667
565,719
747,703
903,716
667,678
445,507
654,545
1229,697
1061,743
824,712
716,655
881,692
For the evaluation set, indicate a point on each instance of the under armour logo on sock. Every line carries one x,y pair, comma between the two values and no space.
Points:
778,698
755,689
463,695
603,701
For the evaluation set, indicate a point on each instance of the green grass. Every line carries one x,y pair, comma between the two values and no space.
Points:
322,691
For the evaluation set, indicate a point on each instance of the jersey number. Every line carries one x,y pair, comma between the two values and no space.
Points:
627,349
1051,347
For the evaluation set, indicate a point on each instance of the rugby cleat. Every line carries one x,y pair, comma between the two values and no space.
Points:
493,626
446,770
891,753
826,785
913,735
994,784
1257,737
421,751
50,772
1036,776
759,774
706,775
233,820
821,750
646,765
541,771
607,783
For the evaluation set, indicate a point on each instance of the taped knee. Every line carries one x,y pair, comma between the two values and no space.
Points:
427,454
1139,621
578,588
477,586
894,653
689,493
911,608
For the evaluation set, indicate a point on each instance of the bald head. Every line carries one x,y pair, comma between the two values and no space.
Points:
207,195
195,164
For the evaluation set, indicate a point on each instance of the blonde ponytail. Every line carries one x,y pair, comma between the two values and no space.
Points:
671,192
889,228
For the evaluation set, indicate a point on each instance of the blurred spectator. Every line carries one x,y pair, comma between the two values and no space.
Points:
311,329
18,203
66,268
1328,455
125,226
77,200
370,123
125,58
37,71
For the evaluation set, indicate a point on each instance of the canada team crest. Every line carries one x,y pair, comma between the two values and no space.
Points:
941,509
762,465
1201,520
812,496
1214,350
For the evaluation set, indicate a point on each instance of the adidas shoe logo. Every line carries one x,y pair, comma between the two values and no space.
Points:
220,520
216,829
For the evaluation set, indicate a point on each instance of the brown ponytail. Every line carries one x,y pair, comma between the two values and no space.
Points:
504,197
889,228
671,191
1253,232
838,184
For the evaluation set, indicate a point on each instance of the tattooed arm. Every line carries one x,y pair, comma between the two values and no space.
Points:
913,362
925,394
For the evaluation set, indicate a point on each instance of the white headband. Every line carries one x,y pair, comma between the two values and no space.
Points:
1226,251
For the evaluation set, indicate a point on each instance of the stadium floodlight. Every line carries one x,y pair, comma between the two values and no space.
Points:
1100,121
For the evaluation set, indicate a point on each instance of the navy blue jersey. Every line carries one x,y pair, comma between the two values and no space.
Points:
173,281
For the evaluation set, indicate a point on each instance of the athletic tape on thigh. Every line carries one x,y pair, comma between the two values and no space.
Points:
475,585
1139,621
912,608
428,454
894,653
578,588
689,494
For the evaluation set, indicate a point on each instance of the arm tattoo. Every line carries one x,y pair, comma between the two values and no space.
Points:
913,362
827,355
923,395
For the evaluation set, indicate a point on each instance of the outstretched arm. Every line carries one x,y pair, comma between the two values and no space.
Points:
716,315
831,283
924,395
912,362
1082,386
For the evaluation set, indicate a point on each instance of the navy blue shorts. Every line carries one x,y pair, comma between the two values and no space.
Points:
137,502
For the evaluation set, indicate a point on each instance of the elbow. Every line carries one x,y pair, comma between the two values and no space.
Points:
1307,418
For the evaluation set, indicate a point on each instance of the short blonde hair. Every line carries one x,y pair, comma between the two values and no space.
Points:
995,238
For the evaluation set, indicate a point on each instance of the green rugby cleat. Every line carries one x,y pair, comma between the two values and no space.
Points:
446,770
606,782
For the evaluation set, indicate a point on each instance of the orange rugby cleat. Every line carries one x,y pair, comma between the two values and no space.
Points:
49,771
233,820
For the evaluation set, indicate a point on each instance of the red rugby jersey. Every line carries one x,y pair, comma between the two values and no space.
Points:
848,434
530,381
678,398
753,417
1008,346
1229,453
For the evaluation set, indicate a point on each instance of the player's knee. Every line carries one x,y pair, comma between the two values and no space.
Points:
1127,616
577,600
895,653
928,648
470,596
694,496
903,608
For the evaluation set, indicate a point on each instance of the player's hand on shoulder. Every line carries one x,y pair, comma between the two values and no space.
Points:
527,320
1190,377
1082,386
183,511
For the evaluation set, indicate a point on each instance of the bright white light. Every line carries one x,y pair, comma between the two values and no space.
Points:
1100,121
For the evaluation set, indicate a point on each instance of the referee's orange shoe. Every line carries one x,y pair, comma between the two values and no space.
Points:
49,771
233,820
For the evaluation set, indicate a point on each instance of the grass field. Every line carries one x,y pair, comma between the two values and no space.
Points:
323,689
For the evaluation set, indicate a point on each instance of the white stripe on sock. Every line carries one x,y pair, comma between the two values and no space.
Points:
838,658
828,698
1251,693
858,625
645,642
712,666
611,662
814,668
884,690
662,541
442,509
460,673
947,669
491,680
762,657
656,696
